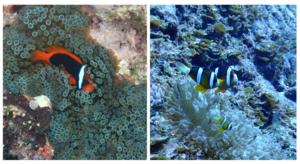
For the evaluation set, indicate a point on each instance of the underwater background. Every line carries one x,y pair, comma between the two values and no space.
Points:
47,118
260,41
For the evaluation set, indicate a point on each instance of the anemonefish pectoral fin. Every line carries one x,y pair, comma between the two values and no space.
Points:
221,130
200,88
40,56
222,86
221,81
88,88
72,81
220,90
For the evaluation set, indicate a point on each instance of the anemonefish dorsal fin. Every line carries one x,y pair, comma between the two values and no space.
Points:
81,76
40,56
60,50
200,88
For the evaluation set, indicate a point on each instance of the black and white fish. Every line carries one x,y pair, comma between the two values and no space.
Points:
204,78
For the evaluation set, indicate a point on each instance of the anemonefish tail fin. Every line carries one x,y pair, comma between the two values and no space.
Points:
40,56
183,68
200,88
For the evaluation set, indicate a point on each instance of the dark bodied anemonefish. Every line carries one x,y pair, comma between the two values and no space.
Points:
204,78
71,63
226,76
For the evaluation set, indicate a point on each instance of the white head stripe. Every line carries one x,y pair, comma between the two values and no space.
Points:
211,80
217,71
199,74
228,77
81,76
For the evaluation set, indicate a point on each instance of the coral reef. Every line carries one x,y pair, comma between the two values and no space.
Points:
123,28
26,121
254,120
83,124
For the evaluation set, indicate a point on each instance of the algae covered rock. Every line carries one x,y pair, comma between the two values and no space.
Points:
25,127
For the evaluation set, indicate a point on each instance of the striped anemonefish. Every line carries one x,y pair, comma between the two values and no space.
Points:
71,63
222,123
227,78
204,78
221,78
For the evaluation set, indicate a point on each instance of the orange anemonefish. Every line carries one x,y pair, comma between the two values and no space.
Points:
204,78
72,64
227,78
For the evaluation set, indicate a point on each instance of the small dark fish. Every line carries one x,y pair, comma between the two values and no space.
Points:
72,64
204,78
